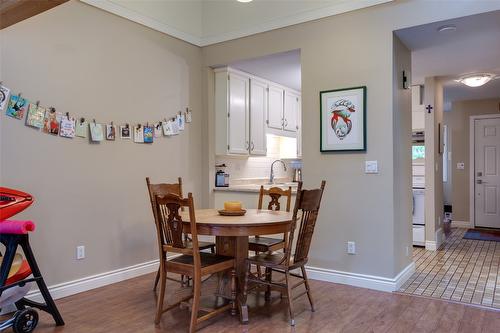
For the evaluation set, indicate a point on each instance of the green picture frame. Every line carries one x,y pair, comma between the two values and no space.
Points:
343,120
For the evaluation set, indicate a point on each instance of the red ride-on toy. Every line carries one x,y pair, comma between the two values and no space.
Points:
15,271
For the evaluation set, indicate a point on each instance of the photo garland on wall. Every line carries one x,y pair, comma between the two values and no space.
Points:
50,121
343,119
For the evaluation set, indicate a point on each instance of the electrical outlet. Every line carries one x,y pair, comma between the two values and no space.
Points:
80,252
351,247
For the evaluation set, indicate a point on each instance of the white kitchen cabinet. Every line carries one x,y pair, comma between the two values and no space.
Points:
276,106
291,111
299,129
232,113
258,113
247,108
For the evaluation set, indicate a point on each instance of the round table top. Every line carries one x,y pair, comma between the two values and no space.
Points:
254,222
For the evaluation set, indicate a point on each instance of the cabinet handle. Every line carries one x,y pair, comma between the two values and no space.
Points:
247,145
252,146
286,123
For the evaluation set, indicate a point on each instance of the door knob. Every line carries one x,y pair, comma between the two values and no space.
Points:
480,181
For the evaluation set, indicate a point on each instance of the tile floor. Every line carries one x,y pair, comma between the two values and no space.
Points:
462,270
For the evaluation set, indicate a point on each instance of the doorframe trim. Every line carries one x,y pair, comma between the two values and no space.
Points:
472,163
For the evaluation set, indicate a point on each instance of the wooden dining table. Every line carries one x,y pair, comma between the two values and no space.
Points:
232,234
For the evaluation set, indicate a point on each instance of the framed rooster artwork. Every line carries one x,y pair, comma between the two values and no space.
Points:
343,119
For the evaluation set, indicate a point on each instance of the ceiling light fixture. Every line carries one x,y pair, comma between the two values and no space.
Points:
476,80
244,0
447,28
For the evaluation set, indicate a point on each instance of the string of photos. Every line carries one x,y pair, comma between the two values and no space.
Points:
56,123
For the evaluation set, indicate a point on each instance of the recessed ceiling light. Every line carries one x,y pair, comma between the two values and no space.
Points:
244,0
447,28
476,80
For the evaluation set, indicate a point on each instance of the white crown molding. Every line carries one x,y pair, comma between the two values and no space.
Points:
362,280
311,15
343,7
143,20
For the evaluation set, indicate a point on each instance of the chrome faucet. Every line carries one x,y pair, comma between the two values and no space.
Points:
271,176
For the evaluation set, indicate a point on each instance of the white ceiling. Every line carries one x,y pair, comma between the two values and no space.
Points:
474,47
205,22
283,68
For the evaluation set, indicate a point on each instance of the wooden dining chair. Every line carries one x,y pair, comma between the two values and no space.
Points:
191,261
174,188
266,244
308,204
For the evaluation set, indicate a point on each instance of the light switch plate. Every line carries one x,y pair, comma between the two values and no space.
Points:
460,165
371,166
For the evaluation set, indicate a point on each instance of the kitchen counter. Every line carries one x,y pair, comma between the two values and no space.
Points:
255,188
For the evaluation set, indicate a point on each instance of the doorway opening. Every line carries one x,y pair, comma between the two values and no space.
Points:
455,138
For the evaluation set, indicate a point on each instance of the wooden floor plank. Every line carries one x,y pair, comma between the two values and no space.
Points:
128,307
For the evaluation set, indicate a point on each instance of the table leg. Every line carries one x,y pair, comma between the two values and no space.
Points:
237,247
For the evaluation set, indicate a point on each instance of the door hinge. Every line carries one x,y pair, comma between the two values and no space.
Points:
228,115
267,121
297,99
228,77
227,147
267,89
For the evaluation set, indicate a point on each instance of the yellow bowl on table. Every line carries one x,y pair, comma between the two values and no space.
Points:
232,208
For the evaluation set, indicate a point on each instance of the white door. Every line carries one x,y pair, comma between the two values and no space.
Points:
275,107
291,111
238,114
258,112
487,172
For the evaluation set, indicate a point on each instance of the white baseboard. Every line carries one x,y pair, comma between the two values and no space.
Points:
362,280
430,245
434,245
95,281
461,224
100,280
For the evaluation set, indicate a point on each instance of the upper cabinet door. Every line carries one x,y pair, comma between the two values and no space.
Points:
275,111
258,113
238,114
299,129
291,111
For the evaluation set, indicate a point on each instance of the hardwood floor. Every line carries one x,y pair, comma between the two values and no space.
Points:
129,306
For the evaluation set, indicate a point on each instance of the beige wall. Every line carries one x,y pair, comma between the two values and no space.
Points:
433,161
348,50
88,62
458,130
402,119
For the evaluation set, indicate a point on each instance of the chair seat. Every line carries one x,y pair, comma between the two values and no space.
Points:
267,259
265,244
201,245
209,263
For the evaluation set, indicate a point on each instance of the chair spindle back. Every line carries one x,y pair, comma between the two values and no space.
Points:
169,224
275,193
308,202
162,189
